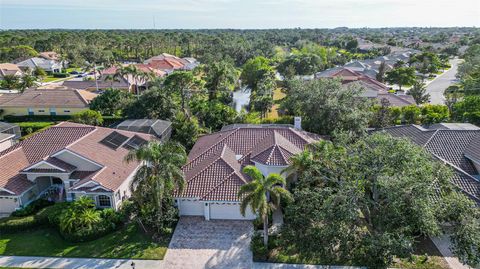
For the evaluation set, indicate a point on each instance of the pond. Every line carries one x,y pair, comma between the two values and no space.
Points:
241,98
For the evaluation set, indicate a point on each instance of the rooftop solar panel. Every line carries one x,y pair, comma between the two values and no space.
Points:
114,140
134,143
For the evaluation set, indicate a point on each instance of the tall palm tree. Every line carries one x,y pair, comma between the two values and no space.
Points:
262,195
160,174
27,81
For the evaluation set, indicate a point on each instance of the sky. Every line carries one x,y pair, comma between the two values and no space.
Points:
239,14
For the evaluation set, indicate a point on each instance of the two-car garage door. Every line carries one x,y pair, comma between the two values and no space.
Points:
213,210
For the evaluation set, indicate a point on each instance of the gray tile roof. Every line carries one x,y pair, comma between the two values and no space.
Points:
457,147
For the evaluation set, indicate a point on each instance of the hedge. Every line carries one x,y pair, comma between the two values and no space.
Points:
32,208
18,224
36,118
60,75
27,128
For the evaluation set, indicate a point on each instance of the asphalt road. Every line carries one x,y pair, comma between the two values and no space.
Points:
438,86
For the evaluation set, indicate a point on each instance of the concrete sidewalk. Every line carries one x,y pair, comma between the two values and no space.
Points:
77,263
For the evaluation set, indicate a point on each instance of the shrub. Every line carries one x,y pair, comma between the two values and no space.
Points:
18,224
60,75
260,251
89,117
36,118
32,208
51,214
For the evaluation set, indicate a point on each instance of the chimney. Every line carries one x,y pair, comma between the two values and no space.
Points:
298,123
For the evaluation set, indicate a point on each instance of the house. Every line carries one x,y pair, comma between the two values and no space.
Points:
37,62
372,87
68,161
214,168
162,129
49,55
9,134
100,84
10,69
52,101
170,63
455,144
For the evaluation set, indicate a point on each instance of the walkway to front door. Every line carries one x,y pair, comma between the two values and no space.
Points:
197,243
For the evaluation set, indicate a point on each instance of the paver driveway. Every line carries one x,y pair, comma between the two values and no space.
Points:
197,243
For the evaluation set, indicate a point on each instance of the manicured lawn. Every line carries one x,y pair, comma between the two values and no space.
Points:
277,96
128,242
49,79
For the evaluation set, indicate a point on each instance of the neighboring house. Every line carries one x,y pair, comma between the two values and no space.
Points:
128,79
68,161
9,134
101,84
372,88
10,69
47,101
170,63
49,55
37,62
162,129
455,144
214,168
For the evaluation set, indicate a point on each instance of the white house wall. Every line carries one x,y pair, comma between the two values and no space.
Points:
6,144
124,189
8,204
267,170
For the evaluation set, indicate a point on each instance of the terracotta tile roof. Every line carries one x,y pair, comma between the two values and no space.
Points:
81,139
214,168
5,97
51,97
451,146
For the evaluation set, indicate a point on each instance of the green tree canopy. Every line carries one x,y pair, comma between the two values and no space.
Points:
111,102
327,107
401,76
89,117
368,202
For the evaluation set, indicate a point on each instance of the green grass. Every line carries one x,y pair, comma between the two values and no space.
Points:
128,242
49,79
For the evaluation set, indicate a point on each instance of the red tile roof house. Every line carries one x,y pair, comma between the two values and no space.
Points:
214,168
68,161
373,88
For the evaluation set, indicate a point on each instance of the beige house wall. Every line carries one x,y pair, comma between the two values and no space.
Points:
23,111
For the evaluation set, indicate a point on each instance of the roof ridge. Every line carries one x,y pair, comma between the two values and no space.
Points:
81,97
430,139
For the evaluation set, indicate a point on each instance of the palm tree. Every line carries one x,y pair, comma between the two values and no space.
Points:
130,71
262,195
299,164
160,174
27,81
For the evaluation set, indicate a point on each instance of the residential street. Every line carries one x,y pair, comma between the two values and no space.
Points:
438,86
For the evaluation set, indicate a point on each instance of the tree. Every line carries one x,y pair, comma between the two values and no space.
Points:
261,100
129,71
185,130
214,114
26,81
434,114
381,72
346,199
255,70
383,116
39,72
419,93
155,103
221,78
9,82
111,102
467,110
402,76
327,107
89,117
184,84
411,114
262,195
155,181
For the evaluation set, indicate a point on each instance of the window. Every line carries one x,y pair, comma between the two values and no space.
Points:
41,110
53,111
30,112
104,201
66,111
